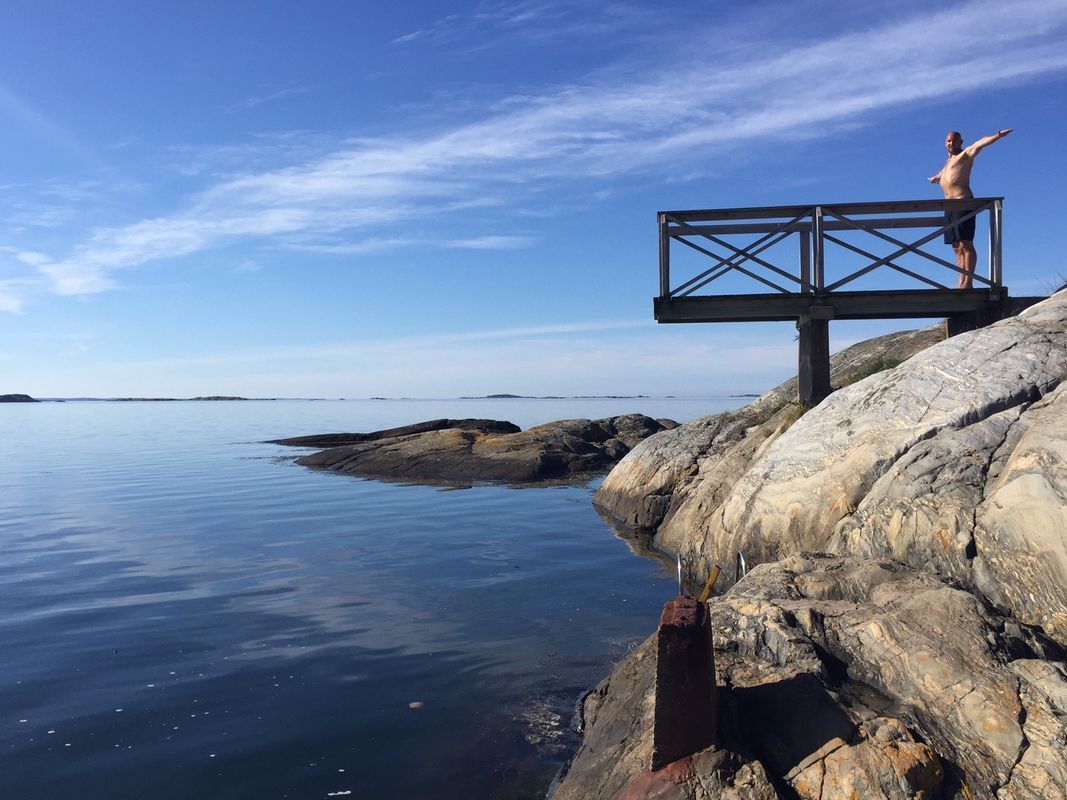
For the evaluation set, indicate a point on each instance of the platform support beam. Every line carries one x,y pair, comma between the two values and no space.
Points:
813,367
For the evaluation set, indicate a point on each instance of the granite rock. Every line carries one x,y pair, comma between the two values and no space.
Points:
464,451
710,452
843,678
952,461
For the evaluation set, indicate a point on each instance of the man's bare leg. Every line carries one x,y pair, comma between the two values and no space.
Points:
957,248
969,262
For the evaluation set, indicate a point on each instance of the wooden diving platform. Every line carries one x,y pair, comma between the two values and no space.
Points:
888,275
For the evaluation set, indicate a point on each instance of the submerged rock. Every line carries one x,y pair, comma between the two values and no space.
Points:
482,450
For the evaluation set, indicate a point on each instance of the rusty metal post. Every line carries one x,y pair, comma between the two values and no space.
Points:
685,683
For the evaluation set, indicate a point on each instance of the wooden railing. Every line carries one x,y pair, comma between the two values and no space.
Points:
815,227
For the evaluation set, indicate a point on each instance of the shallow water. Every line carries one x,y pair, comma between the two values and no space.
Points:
188,613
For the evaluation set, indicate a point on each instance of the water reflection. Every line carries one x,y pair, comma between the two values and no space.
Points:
198,618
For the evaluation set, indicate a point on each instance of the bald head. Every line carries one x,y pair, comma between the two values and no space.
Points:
953,142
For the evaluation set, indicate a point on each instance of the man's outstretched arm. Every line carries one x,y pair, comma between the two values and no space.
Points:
985,141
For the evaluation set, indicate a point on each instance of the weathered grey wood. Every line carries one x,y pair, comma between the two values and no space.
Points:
883,304
747,256
761,279
732,308
680,291
996,264
815,303
882,261
871,223
776,233
910,206
813,360
890,207
731,263
939,221
890,264
876,264
664,257
817,251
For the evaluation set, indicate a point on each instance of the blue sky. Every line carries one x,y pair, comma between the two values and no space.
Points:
434,199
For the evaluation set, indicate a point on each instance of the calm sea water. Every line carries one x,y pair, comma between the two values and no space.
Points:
189,614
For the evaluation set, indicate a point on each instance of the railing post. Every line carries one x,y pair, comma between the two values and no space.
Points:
805,262
664,257
817,247
996,243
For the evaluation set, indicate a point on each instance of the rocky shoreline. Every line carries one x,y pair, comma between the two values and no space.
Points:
462,452
904,632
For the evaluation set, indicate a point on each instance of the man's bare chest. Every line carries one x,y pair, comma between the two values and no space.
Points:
957,166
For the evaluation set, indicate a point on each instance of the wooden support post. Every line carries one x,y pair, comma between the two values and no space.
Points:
961,323
664,257
813,361
685,683
972,320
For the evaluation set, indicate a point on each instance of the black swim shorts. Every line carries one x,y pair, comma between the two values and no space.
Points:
958,231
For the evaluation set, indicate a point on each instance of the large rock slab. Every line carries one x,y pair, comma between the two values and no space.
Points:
712,452
463,451
1020,531
844,678
951,461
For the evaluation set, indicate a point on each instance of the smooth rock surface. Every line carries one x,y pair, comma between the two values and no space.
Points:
461,451
953,461
712,452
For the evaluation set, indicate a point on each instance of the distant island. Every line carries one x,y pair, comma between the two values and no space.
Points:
558,397
17,398
175,399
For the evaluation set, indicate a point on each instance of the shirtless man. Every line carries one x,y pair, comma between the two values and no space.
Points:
955,180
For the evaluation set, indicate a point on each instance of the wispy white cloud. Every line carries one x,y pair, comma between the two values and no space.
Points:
269,97
490,243
32,258
381,245
19,113
617,124
495,23
488,15
14,292
11,300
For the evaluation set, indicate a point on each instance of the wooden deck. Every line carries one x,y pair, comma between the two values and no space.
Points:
810,290
883,304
